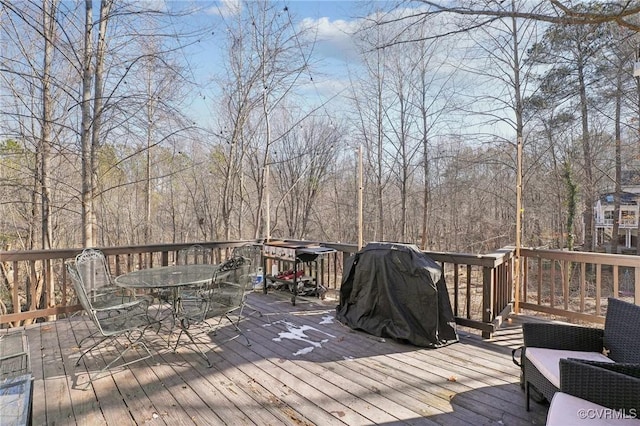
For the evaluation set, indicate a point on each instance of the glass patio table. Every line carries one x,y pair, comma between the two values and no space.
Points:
171,278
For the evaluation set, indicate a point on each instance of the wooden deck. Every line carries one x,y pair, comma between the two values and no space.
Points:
302,368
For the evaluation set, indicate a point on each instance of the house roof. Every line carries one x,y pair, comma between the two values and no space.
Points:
625,198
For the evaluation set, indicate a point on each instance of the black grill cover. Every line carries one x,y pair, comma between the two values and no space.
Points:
396,291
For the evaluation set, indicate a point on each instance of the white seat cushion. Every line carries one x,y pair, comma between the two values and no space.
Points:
568,410
547,361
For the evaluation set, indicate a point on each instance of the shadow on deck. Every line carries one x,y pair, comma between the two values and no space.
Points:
302,368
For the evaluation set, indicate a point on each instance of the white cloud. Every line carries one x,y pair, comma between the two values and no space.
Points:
333,38
226,8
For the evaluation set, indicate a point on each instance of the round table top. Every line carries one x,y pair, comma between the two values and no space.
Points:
167,276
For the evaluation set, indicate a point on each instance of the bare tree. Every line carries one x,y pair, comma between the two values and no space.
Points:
268,56
553,11
369,103
300,173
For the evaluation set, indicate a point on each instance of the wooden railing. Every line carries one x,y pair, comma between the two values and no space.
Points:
480,286
36,287
576,285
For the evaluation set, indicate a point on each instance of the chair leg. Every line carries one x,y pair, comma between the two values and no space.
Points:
214,328
132,343
527,385
91,336
235,325
183,329
92,347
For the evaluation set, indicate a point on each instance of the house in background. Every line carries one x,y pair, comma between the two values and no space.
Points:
628,218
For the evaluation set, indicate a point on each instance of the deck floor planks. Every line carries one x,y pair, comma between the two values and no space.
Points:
335,387
474,379
264,393
39,411
467,392
354,378
497,376
58,401
217,399
302,397
163,402
360,377
404,348
359,385
506,409
319,366
149,375
264,400
356,394
135,396
85,406
112,404
234,404
378,384
186,398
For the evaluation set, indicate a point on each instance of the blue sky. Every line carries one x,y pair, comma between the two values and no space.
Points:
333,55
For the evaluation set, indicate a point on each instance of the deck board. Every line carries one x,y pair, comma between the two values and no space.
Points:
301,368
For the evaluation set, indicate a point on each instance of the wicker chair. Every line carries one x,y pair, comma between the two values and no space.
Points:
546,344
591,389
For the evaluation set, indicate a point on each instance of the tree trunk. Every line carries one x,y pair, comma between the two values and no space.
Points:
618,188
98,105
85,135
48,24
588,187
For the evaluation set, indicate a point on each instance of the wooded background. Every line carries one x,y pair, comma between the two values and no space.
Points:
103,141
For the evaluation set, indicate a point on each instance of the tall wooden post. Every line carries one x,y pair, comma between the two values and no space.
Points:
519,212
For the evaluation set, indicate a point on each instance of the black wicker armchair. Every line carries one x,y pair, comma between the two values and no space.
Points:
546,344
613,386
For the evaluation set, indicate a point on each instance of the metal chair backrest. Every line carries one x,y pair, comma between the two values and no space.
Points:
112,321
194,255
81,292
94,275
227,291
253,252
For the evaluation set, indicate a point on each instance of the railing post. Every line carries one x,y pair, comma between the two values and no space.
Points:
487,299
49,287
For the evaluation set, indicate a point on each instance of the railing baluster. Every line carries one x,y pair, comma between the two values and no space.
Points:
456,289
583,285
598,287
468,301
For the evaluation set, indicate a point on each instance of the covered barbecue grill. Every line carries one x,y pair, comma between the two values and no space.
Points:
396,291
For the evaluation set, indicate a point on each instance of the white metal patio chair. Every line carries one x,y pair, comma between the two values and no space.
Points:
194,255
92,268
253,252
216,301
102,292
128,319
